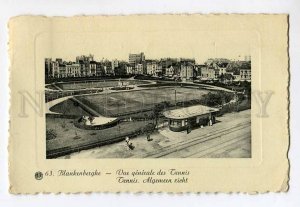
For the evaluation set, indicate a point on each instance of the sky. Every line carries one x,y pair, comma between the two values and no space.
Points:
114,47
186,42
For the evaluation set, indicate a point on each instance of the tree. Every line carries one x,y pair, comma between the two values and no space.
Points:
149,128
228,78
222,78
50,134
219,98
157,109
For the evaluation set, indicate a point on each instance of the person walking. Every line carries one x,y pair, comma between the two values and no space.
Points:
129,143
148,137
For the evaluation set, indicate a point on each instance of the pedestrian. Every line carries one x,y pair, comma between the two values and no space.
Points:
210,122
148,138
129,143
188,129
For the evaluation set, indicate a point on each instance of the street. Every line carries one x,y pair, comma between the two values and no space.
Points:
230,137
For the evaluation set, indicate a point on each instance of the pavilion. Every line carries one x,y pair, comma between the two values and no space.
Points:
192,116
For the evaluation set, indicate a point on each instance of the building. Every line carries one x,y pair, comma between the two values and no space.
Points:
62,70
84,62
245,74
139,69
48,67
59,60
190,117
114,64
245,71
151,67
236,75
129,69
85,58
120,70
159,70
82,68
107,67
92,68
136,58
208,73
55,69
186,71
170,71
221,66
173,70
100,69
217,73
198,69
166,63
72,70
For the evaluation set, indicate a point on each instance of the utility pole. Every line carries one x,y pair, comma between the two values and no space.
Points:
106,102
175,98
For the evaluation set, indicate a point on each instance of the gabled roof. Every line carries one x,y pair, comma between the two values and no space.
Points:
222,64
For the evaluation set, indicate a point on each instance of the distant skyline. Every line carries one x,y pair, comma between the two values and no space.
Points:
239,57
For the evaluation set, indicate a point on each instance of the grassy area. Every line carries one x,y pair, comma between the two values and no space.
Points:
68,136
69,107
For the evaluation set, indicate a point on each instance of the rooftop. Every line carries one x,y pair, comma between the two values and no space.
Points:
222,64
188,112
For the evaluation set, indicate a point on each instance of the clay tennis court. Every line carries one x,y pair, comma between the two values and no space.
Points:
131,101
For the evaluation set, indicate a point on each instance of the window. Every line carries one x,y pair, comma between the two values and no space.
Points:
175,123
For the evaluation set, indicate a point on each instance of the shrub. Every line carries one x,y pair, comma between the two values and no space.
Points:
215,99
50,134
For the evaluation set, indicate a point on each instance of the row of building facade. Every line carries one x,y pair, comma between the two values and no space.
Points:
186,69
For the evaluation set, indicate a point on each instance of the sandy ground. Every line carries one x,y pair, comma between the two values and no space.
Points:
230,137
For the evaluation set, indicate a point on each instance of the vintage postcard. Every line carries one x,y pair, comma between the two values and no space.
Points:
149,103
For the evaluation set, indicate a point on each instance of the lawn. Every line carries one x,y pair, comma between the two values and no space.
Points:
68,107
67,135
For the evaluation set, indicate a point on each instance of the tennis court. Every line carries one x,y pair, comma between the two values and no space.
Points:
131,101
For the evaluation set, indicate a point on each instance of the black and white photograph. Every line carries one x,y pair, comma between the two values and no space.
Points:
145,106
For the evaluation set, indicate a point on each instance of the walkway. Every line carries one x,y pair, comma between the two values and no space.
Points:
52,103
230,137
